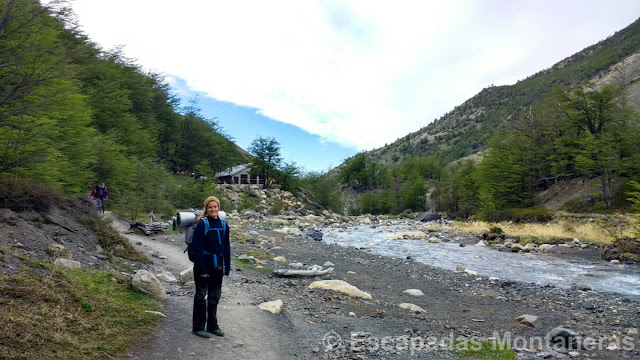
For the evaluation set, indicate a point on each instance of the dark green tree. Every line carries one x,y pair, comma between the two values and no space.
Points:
267,158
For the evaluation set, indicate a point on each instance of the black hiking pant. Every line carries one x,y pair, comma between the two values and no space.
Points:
205,311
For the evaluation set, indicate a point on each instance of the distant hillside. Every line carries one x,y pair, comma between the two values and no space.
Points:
466,129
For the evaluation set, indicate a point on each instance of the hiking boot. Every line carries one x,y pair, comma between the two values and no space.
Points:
201,333
216,332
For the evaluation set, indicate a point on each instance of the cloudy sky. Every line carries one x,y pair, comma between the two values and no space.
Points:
330,78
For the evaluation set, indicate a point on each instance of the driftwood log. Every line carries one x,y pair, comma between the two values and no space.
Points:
290,272
151,228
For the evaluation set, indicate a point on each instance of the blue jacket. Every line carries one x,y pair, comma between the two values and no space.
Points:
211,244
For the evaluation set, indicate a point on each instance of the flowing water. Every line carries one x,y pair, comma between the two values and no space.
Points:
538,268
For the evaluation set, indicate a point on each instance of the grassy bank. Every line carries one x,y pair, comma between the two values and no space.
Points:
47,312
596,231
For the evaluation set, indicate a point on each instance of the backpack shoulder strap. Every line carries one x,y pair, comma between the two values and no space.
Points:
206,225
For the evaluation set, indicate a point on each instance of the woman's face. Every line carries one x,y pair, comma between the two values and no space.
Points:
213,209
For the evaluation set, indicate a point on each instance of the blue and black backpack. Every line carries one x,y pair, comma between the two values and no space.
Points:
188,237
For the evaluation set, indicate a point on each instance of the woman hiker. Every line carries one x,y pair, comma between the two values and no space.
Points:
212,260
97,196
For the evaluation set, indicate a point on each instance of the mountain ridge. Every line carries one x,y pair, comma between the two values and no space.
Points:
466,129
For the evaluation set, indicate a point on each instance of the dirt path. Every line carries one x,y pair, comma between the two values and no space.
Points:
249,332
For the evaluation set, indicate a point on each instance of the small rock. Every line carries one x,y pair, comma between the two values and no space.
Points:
583,287
102,257
470,272
434,240
352,314
516,247
481,243
574,353
148,283
529,320
632,331
612,347
413,292
156,312
280,259
545,247
412,307
66,263
166,277
328,264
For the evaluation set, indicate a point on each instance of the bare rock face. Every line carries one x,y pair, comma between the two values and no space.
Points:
148,283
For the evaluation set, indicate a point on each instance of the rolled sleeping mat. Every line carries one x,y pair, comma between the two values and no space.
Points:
185,219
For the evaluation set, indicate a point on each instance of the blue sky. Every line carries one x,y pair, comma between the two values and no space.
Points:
244,124
329,78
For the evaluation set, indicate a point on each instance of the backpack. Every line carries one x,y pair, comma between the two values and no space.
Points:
188,236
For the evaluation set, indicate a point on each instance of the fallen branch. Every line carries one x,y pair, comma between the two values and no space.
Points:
151,228
289,272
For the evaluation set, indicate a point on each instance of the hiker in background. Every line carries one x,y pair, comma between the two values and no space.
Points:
211,260
97,196
105,195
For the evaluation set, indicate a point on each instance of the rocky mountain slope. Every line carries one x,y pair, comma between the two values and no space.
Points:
466,129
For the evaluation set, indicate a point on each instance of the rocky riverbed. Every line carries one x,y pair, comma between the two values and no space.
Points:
454,305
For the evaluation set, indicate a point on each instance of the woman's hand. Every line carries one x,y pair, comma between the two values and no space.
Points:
204,275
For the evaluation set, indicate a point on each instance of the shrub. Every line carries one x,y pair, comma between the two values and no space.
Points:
531,214
246,202
25,196
495,230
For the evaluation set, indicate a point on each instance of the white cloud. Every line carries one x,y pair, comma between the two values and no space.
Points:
360,73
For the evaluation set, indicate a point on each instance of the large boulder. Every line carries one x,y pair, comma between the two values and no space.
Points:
274,307
340,286
186,275
147,283
425,217
563,337
516,247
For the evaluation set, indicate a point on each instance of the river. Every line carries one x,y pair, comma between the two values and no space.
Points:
539,268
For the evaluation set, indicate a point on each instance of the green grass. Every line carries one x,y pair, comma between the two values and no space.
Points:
483,350
238,237
260,254
246,264
71,314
